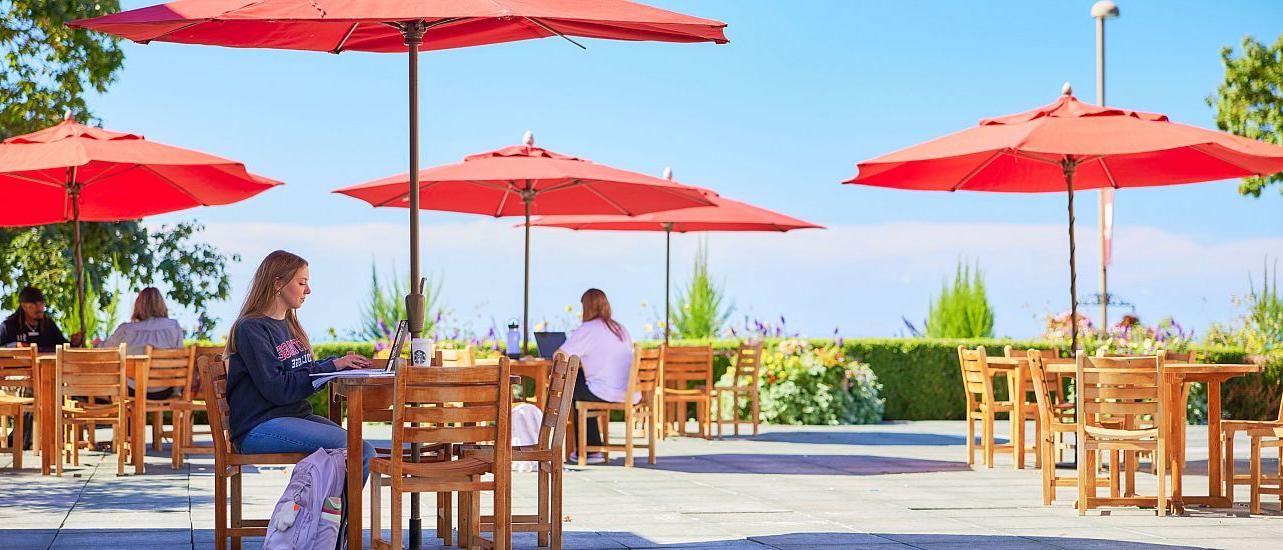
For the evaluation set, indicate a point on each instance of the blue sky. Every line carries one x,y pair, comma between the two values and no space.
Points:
778,118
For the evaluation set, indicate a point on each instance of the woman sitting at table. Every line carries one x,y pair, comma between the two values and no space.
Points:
270,366
149,325
606,353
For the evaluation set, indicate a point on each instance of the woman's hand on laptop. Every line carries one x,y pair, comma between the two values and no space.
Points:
352,361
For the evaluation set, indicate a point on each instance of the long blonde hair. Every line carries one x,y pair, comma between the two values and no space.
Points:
596,306
279,266
149,305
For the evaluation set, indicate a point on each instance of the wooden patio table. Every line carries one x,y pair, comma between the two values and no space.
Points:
537,369
1212,375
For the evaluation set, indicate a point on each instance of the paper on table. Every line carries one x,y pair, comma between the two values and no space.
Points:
319,379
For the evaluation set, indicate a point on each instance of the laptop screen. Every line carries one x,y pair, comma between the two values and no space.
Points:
549,342
398,343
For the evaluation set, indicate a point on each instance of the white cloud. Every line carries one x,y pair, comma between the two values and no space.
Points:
861,278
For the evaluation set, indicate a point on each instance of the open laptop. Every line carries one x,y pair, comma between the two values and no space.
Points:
549,342
398,344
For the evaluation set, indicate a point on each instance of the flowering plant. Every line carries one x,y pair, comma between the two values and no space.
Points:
804,384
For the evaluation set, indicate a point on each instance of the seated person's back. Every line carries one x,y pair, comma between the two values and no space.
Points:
149,325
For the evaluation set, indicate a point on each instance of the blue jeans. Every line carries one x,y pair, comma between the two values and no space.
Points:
287,434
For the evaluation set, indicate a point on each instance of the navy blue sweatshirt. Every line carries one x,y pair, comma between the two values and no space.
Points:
268,377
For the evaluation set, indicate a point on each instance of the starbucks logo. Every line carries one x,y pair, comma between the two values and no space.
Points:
419,357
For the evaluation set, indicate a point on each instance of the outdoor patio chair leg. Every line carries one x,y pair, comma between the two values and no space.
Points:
603,425
236,505
1048,471
583,438
376,508
555,511
445,517
394,540
628,438
1254,504
988,436
474,518
1227,468
220,508
118,445
464,539
652,437
1114,489
971,440
543,476
157,430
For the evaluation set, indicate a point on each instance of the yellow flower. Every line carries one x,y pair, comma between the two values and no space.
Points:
570,308
649,327
541,325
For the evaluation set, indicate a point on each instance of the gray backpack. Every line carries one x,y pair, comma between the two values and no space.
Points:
310,512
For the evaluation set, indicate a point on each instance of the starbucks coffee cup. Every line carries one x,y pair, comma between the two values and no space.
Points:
420,352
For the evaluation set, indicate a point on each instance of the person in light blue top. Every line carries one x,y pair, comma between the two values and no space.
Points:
149,325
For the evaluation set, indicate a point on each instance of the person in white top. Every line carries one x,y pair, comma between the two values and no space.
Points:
149,325
605,351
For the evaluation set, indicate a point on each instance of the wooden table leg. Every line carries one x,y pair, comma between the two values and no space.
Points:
1214,439
137,426
46,412
1017,418
355,413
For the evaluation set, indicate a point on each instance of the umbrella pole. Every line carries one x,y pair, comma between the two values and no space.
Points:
1068,166
525,295
668,274
77,253
413,33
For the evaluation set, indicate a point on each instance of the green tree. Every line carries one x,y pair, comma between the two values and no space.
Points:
47,69
193,271
1250,100
961,311
700,311
47,65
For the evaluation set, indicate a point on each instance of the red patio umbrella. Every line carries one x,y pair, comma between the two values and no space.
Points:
71,172
724,215
1070,146
337,26
524,180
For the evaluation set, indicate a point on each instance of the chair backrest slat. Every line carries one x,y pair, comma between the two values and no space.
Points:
682,364
457,357
557,402
167,368
1120,387
977,378
484,392
90,373
213,374
17,368
196,389
748,363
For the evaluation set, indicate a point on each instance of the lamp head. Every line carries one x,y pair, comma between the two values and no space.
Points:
1104,9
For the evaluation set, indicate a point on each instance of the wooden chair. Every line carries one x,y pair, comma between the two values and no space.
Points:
457,357
83,378
1176,445
185,406
457,406
228,463
643,381
686,374
1052,428
548,452
1230,428
977,381
747,368
1120,388
17,385
161,369
1272,484
1030,403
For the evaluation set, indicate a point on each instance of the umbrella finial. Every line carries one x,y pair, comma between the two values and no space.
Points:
528,138
66,115
668,173
1066,89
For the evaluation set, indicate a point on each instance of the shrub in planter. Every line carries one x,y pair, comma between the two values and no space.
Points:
802,384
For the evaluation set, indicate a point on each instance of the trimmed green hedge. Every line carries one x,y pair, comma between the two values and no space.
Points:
921,379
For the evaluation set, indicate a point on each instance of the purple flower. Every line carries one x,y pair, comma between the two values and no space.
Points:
380,346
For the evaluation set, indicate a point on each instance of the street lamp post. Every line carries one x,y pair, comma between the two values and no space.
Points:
1100,11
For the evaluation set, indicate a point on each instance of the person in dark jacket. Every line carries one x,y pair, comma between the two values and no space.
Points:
29,325
270,365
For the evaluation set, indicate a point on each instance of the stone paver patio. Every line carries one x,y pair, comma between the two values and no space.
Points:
891,486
